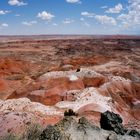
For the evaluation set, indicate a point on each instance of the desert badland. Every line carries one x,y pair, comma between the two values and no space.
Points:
43,76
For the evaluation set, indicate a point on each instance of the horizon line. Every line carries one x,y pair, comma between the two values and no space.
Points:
70,35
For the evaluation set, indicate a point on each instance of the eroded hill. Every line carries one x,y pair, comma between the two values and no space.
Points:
89,75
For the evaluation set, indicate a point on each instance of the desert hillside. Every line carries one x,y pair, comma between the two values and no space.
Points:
43,76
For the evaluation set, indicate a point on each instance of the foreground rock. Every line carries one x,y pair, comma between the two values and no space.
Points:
70,129
113,122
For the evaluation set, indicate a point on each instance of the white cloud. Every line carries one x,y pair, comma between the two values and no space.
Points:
55,24
16,3
87,14
104,19
2,12
3,25
132,17
104,7
74,1
117,9
30,23
86,24
17,15
68,21
82,19
45,15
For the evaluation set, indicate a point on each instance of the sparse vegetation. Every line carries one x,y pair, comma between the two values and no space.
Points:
9,137
78,70
32,133
70,112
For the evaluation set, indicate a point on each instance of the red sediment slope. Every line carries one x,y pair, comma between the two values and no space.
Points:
41,77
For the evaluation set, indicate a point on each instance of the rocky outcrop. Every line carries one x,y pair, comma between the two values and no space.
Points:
89,76
78,90
56,90
113,122
89,92
57,84
70,129
16,115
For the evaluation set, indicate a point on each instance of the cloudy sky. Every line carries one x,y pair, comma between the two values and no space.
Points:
69,17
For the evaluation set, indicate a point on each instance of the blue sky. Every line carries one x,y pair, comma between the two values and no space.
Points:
25,17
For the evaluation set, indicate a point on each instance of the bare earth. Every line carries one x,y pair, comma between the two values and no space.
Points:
42,76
